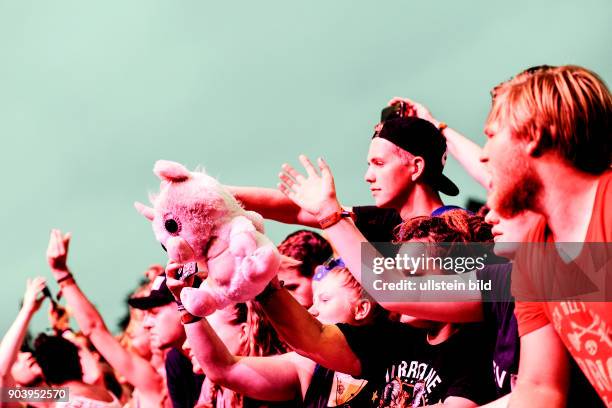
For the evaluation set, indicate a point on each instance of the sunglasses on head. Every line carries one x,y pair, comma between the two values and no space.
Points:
322,270
398,110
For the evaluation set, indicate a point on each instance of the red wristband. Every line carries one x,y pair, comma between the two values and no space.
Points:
334,218
187,318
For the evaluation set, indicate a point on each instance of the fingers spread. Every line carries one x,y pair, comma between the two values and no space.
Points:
325,170
286,179
292,172
307,165
285,190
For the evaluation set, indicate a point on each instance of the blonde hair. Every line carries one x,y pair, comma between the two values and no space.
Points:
567,107
349,281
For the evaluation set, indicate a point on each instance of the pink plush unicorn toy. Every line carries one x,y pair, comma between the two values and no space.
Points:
199,222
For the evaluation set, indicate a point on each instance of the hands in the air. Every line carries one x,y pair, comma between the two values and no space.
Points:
57,253
315,193
33,297
414,109
174,284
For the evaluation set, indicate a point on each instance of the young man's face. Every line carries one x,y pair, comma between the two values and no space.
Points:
514,184
389,178
508,233
26,370
197,369
164,324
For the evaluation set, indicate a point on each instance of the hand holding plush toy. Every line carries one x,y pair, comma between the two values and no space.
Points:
198,221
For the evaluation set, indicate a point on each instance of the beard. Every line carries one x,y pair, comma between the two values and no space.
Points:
517,193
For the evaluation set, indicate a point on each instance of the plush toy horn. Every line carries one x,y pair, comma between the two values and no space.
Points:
171,171
148,212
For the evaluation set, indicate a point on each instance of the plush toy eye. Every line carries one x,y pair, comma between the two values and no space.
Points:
172,226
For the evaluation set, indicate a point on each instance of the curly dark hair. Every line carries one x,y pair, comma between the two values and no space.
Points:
308,247
58,359
452,226
448,233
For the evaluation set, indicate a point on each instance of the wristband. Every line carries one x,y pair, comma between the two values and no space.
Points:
65,278
334,218
188,318
65,281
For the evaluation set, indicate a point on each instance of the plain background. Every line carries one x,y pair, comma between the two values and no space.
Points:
93,93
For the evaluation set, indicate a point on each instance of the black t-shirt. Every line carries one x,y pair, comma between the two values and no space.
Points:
328,388
183,385
402,368
376,224
498,312
500,321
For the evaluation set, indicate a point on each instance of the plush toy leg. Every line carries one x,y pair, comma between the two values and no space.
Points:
261,266
202,301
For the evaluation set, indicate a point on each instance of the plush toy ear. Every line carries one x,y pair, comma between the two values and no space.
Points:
144,210
171,171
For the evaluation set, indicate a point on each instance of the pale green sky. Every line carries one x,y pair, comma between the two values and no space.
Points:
92,93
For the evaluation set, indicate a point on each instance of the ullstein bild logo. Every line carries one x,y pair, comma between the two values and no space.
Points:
462,272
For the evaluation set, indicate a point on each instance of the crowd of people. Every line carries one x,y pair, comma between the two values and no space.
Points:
317,336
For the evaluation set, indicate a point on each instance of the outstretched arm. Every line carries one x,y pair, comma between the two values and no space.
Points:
316,193
12,340
543,371
452,312
325,344
272,205
271,378
466,152
138,371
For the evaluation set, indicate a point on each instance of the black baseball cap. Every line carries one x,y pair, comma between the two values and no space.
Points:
421,138
160,295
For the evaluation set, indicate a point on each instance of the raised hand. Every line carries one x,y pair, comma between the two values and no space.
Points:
174,284
414,108
57,252
59,318
33,297
315,193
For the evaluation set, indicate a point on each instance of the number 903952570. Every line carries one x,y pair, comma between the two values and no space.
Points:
34,394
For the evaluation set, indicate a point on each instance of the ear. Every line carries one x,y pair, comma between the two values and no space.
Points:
244,335
148,212
418,164
171,171
362,309
533,145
